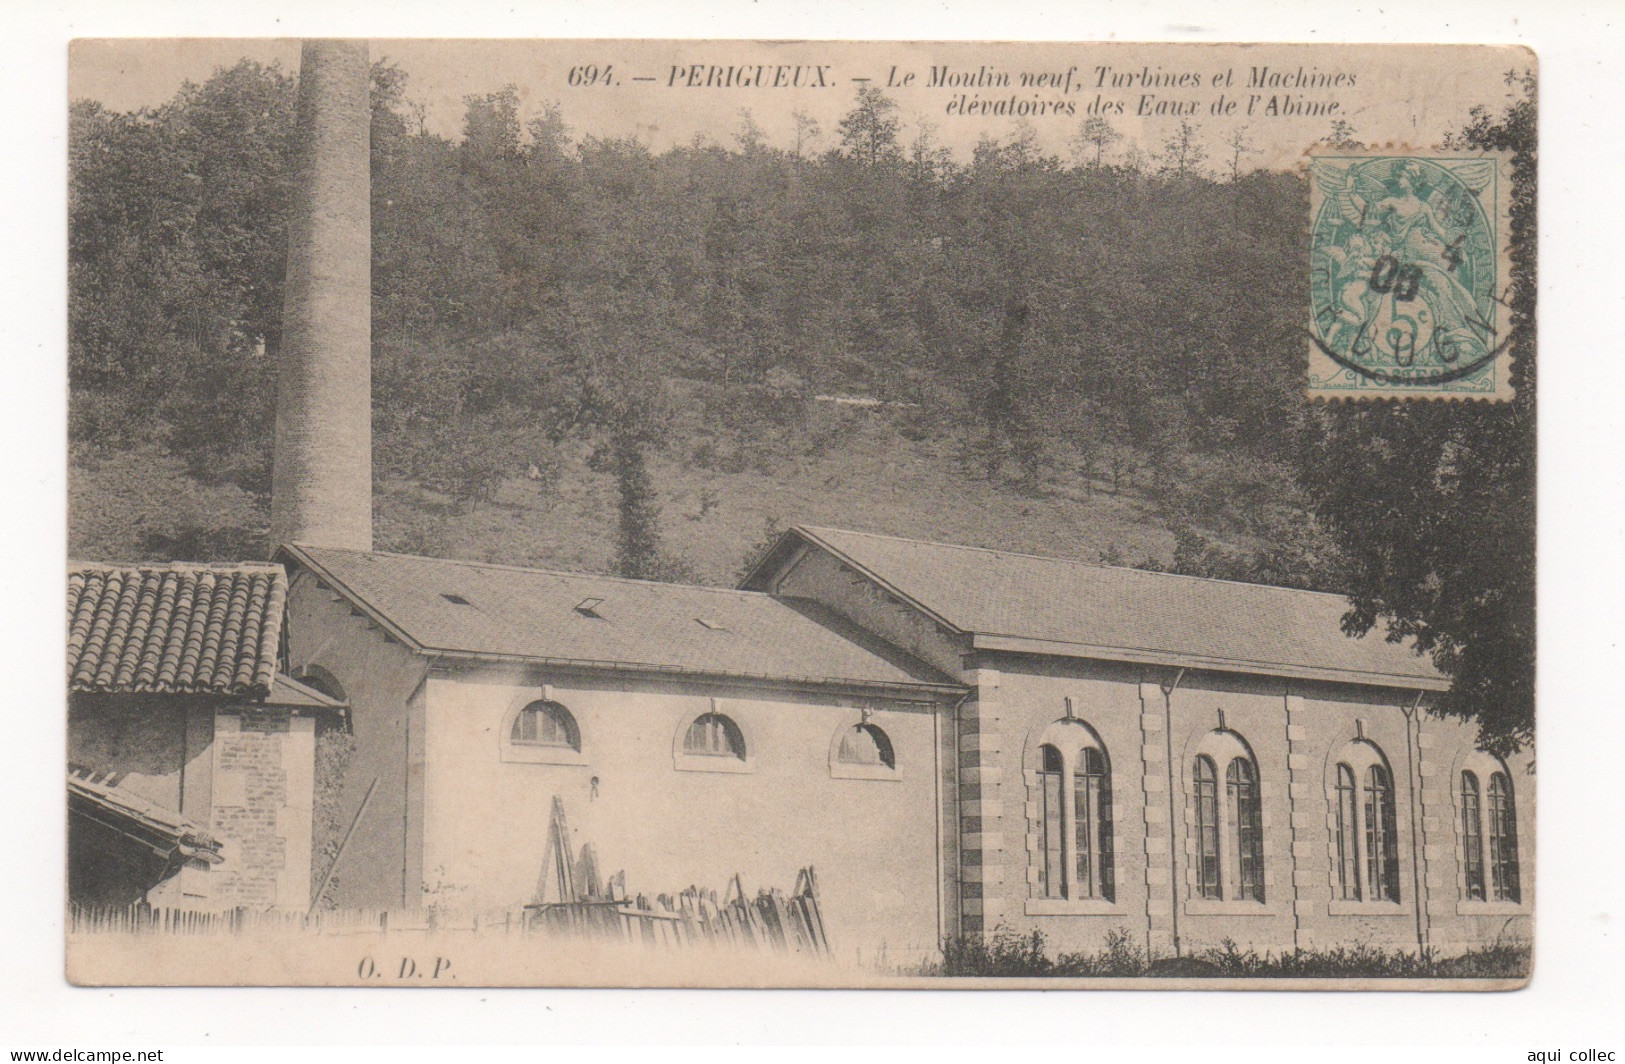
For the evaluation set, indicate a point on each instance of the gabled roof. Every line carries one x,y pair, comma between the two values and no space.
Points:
1027,603
454,608
174,627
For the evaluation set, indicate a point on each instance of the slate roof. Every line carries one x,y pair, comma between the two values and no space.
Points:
443,607
181,628
1024,602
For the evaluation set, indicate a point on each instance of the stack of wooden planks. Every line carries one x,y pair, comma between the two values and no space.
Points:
770,921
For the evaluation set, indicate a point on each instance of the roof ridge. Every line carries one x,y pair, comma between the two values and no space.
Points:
172,567
1071,561
535,569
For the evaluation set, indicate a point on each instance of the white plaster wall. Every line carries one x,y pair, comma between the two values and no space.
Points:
381,680
822,577
294,818
872,842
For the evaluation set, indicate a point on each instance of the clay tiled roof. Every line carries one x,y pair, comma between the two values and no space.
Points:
1033,604
471,609
175,627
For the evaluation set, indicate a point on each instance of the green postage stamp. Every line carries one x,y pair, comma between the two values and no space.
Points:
1409,274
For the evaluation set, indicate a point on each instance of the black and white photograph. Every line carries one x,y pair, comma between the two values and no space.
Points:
937,528
801,514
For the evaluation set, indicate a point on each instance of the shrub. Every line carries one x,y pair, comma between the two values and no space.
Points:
1007,954
1003,955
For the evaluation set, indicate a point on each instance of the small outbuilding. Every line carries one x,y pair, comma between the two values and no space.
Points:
190,756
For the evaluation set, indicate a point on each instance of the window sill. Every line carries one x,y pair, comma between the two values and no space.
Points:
1369,908
1490,908
716,764
519,754
1211,907
1073,907
863,772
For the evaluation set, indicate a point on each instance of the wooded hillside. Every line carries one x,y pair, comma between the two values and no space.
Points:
590,355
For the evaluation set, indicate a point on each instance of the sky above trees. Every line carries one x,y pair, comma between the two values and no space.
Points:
125,75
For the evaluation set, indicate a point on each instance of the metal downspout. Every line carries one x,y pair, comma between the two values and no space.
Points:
959,834
1291,819
1417,843
1173,831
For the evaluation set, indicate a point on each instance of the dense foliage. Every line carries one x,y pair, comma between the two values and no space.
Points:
1127,323
1434,503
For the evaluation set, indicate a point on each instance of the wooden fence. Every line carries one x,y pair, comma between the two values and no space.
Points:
771,921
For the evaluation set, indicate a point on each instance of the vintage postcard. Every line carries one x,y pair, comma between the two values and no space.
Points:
824,514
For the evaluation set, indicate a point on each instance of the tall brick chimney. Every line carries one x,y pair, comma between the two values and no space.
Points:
321,482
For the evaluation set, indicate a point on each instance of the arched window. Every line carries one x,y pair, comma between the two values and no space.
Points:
1503,839
1348,835
1092,826
1489,873
1366,856
1073,850
865,744
545,724
1051,816
1227,820
320,679
1381,838
714,735
1205,787
1472,838
1246,827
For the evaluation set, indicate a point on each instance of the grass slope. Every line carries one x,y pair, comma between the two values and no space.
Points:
143,505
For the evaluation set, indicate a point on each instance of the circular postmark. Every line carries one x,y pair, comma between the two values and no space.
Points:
1404,269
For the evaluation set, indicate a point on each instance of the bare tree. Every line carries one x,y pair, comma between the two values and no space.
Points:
1182,155
1241,146
807,131
1021,146
926,157
751,138
1096,135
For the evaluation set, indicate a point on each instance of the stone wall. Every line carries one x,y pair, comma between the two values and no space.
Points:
262,809
241,772
1153,729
